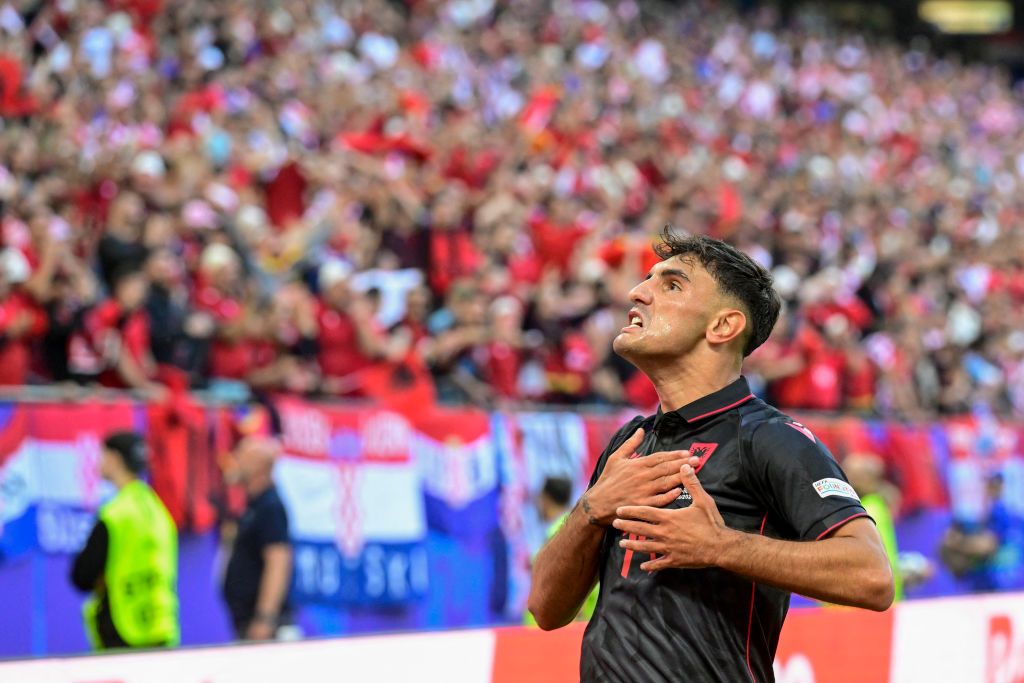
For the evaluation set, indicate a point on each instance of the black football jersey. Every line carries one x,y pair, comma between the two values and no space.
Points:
769,475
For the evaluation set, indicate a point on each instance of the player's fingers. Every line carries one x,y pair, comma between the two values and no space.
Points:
668,482
656,564
655,459
694,461
666,498
632,526
629,446
666,468
642,512
693,485
642,546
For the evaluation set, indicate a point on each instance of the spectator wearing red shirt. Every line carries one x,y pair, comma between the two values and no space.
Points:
859,375
556,233
22,322
568,366
350,339
503,353
816,370
112,348
285,352
221,295
453,255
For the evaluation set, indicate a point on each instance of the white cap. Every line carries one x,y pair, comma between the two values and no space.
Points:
251,217
14,265
332,272
149,163
216,256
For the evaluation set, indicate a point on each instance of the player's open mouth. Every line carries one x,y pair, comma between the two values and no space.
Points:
635,321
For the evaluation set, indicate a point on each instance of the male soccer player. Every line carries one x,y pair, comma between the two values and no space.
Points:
696,571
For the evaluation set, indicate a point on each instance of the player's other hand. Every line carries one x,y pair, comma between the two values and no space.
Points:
653,480
685,537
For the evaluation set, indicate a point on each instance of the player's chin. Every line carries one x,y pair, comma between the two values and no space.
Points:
625,343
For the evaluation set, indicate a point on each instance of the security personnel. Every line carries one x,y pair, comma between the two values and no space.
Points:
553,505
130,561
696,573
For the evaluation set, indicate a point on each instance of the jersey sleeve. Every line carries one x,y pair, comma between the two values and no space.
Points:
617,440
795,476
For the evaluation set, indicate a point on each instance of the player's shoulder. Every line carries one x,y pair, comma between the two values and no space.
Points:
764,424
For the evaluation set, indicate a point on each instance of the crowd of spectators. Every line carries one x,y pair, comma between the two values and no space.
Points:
452,198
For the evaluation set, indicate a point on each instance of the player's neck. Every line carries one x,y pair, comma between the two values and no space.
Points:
681,384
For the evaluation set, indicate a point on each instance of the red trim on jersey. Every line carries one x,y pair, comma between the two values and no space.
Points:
750,621
628,559
829,530
722,409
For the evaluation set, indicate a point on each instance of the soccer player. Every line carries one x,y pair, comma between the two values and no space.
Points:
701,520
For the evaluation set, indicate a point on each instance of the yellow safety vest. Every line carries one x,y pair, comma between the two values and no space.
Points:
141,573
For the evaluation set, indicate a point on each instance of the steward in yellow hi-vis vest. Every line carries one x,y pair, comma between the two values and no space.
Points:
130,562
553,506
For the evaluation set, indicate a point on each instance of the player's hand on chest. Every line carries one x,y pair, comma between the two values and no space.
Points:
685,534
629,479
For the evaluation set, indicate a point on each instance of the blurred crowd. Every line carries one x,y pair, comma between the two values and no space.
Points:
451,199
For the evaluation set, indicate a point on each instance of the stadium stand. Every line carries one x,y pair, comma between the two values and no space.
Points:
513,164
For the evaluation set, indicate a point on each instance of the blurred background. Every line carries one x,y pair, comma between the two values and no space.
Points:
400,235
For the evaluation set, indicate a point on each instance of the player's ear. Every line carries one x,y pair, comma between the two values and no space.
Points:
726,325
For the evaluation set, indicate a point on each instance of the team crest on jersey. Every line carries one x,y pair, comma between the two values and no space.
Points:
702,451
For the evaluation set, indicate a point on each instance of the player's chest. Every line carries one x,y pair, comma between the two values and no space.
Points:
719,468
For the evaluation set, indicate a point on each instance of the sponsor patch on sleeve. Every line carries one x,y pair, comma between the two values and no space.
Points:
835,487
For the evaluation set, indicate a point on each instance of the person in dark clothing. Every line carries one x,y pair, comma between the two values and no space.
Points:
178,336
259,569
129,561
696,573
121,246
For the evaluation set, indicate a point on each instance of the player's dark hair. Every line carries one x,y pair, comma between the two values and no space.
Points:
559,490
736,274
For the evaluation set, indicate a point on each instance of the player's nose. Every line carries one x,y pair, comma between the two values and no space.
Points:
641,293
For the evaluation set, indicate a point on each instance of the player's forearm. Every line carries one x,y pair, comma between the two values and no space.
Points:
843,570
564,571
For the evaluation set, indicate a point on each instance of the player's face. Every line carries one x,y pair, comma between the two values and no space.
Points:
671,311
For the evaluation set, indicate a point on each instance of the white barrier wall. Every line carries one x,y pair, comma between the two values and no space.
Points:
955,640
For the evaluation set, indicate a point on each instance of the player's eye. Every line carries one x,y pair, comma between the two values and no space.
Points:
675,286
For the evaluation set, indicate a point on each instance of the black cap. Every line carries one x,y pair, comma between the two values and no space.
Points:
132,449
